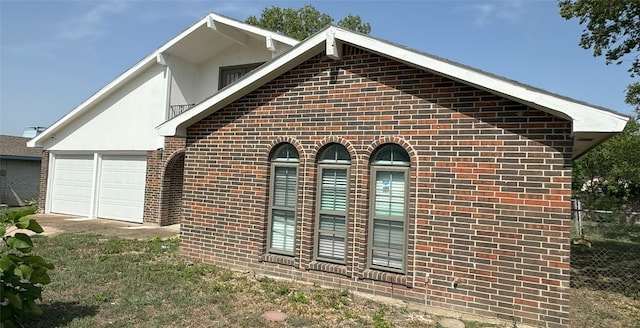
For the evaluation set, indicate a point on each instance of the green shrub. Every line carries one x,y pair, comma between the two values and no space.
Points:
22,274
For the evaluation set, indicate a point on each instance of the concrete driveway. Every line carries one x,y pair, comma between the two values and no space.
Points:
54,224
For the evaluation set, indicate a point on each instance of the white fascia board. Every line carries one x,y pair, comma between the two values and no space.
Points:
585,118
252,29
303,51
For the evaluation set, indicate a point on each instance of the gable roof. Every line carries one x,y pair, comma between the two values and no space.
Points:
194,35
12,147
591,124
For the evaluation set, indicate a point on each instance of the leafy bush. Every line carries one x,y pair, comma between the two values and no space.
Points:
22,274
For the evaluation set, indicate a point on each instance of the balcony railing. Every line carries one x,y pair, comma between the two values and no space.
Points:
175,110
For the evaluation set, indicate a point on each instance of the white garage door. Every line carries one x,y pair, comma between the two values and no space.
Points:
121,188
71,185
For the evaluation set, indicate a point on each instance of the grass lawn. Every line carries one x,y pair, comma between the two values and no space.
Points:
104,281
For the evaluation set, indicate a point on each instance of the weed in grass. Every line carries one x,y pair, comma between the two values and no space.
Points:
100,298
113,247
226,275
344,293
193,271
379,320
298,297
283,290
317,296
219,288
349,314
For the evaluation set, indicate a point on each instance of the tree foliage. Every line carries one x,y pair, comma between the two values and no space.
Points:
612,29
608,176
22,274
302,23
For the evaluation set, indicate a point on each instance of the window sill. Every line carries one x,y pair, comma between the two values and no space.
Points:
394,278
279,259
340,269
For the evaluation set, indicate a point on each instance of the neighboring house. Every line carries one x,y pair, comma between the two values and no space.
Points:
105,158
19,171
356,163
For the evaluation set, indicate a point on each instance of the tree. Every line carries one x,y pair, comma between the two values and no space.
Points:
304,22
613,29
608,176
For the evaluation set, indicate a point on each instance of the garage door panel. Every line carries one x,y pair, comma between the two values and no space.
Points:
71,184
121,188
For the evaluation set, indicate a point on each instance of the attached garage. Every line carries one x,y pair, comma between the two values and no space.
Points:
115,185
71,184
121,188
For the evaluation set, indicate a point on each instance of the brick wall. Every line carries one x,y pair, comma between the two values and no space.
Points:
162,199
171,209
489,186
44,176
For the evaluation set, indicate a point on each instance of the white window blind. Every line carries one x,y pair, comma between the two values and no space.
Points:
387,237
284,189
283,230
390,192
285,186
388,243
332,218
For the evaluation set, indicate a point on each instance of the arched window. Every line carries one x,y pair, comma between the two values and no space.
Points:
332,203
282,205
388,210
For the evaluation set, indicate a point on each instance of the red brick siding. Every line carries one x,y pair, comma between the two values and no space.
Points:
44,176
489,186
153,187
171,208
161,195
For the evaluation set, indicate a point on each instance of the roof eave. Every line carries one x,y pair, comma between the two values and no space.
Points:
585,118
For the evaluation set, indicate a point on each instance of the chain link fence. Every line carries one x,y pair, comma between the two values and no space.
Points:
605,251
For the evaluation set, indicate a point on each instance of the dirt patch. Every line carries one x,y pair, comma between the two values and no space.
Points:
591,309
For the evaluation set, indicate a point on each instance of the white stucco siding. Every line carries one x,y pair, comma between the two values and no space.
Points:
209,72
184,81
124,120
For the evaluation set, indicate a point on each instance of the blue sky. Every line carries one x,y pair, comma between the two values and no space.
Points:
55,54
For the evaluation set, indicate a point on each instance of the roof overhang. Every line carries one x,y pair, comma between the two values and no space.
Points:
226,28
591,124
21,158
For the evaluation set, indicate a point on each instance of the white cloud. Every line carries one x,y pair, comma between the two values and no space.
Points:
487,12
91,23
36,49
